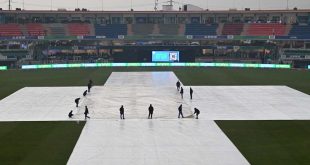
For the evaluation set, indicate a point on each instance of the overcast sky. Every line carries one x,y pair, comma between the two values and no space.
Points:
149,4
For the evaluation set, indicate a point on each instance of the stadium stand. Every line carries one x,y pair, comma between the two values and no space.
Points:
296,52
79,29
14,54
200,29
147,31
300,30
35,29
111,30
265,29
143,29
232,29
169,29
182,29
56,29
10,30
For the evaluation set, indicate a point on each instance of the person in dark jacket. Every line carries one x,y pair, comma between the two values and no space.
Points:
70,115
191,92
89,87
197,112
86,113
85,93
77,100
122,113
182,92
151,110
180,111
178,84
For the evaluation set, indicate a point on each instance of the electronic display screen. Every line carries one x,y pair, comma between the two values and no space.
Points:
165,56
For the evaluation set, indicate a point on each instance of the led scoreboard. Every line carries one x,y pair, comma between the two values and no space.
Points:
165,56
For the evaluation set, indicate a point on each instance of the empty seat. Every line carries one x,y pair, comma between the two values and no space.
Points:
169,29
111,30
266,29
56,29
200,29
142,29
79,29
35,29
232,29
10,30
300,30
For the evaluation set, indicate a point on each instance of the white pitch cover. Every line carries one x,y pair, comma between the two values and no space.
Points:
165,139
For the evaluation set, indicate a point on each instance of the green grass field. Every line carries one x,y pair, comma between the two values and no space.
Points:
13,80
38,142
261,142
270,142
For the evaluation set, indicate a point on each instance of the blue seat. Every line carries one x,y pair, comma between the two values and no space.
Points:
111,30
200,29
300,31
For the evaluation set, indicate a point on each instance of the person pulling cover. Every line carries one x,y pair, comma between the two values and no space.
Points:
86,113
191,92
180,111
182,92
151,110
70,115
85,93
77,100
122,113
178,84
197,112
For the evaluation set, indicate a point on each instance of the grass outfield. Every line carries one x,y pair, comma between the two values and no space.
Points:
13,80
273,142
38,142
270,142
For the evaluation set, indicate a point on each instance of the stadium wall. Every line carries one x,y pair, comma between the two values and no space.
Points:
160,37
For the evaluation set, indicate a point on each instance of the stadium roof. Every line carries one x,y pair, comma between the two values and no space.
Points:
153,12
